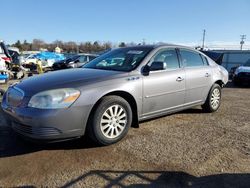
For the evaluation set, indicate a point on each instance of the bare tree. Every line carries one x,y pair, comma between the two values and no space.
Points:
70,47
122,44
37,44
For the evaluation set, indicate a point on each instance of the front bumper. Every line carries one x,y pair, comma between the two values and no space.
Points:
46,125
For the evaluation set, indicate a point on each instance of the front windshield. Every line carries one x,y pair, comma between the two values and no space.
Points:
122,59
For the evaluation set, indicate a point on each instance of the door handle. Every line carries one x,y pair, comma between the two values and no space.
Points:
207,75
179,79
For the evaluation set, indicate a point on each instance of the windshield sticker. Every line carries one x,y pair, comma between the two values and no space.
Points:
135,52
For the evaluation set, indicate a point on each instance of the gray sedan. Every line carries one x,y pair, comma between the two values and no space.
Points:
114,92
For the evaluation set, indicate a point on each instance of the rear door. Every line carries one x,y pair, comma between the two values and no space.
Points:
165,89
198,76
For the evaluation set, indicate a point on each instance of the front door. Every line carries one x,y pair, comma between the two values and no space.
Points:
165,89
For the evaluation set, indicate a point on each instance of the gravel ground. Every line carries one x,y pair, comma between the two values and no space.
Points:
186,149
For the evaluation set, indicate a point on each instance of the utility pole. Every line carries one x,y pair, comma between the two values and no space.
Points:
143,41
242,37
203,39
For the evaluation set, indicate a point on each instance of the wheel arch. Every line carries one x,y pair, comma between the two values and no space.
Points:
220,83
125,95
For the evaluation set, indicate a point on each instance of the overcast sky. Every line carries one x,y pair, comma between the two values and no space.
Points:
178,21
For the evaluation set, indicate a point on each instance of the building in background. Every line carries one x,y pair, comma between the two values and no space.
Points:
58,50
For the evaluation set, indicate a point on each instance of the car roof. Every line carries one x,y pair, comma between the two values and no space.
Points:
154,46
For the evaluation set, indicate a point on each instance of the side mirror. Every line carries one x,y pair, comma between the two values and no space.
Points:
158,65
155,66
145,70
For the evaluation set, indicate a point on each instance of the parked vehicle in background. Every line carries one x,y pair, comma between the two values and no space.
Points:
233,59
16,67
5,62
241,75
49,58
10,60
4,54
230,59
3,72
113,92
216,56
31,58
74,61
42,62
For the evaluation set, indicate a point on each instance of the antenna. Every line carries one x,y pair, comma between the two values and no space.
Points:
242,37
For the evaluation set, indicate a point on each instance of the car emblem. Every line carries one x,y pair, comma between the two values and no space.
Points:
133,78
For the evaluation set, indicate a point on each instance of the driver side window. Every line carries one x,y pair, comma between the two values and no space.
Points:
168,57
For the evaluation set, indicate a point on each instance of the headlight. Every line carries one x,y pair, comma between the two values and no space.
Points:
54,99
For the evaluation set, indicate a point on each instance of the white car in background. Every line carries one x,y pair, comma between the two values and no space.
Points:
30,59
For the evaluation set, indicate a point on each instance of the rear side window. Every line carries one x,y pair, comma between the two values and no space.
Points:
191,59
91,58
168,56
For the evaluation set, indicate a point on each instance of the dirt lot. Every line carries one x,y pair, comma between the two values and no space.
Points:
187,149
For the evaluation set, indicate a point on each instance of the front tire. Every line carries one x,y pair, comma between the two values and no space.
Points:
111,120
213,100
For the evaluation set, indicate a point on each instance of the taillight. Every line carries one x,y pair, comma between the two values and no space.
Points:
6,59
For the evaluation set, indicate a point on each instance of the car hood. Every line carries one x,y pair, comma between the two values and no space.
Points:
243,69
65,78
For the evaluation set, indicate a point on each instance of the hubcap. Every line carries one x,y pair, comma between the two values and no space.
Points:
215,98
113,121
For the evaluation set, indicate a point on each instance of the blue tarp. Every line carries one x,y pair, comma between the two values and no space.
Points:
50,56
3,76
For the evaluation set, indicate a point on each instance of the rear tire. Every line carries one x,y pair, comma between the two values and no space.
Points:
111,120
213,100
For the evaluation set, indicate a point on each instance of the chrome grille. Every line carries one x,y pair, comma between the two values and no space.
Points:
14,96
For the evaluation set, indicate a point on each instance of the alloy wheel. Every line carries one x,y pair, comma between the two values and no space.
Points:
113,121
215,98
